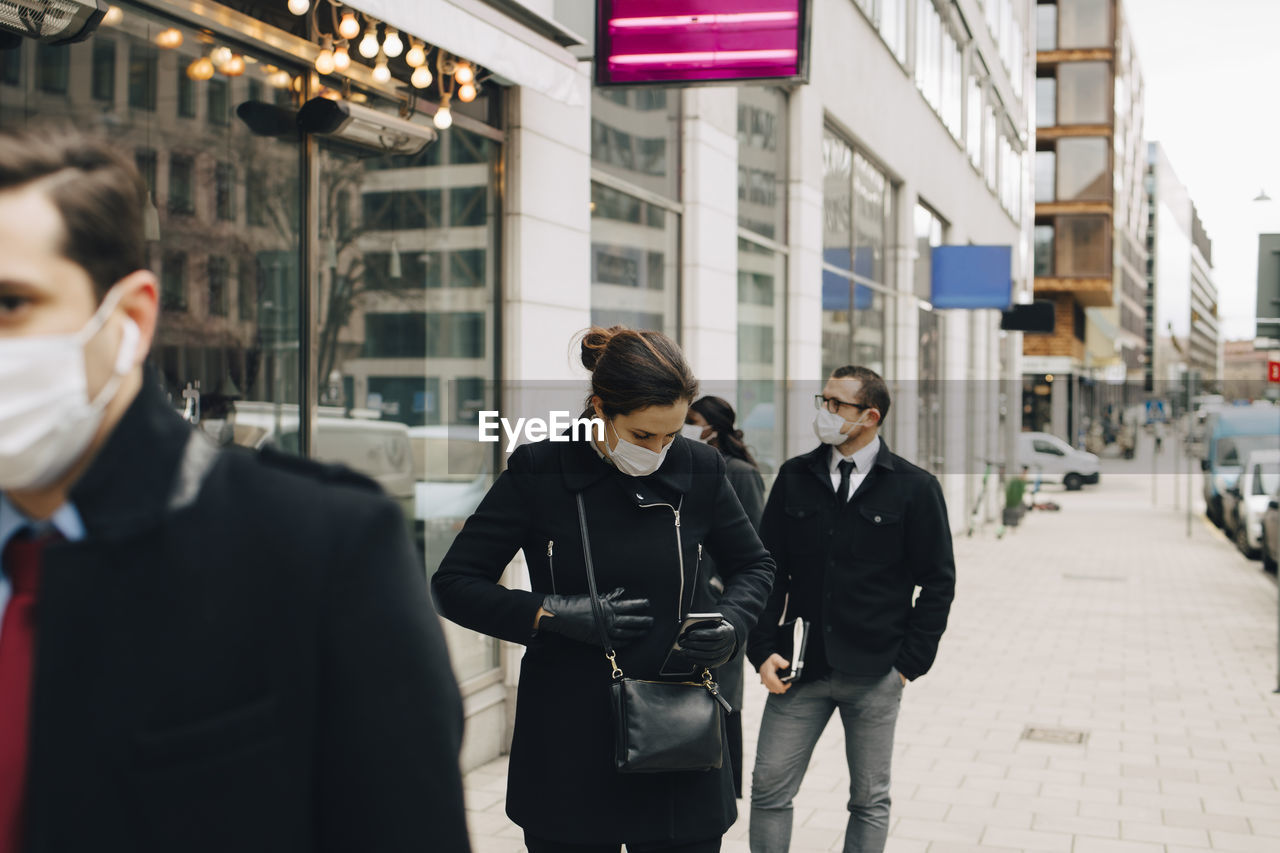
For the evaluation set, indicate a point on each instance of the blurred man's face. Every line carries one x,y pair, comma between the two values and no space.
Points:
41,291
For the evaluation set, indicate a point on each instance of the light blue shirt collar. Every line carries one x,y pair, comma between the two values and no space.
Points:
66,521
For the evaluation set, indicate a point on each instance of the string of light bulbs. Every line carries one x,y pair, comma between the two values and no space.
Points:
453,76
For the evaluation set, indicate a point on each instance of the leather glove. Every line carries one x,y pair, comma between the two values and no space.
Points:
625,619
710,645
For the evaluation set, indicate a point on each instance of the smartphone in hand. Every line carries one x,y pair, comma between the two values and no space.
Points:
676,662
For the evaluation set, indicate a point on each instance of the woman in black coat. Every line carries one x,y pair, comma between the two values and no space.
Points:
713,419
655,502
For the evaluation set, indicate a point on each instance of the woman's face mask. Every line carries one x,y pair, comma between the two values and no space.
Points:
633,459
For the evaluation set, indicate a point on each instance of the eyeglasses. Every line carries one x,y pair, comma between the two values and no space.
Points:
833,405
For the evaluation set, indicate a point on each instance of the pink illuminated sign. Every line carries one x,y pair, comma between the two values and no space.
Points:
700,41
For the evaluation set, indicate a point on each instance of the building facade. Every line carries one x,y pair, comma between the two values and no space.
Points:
1183,333
363,306
1090,216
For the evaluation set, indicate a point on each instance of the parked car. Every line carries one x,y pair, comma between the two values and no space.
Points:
1271,534
1244,503
1052,460
1234,433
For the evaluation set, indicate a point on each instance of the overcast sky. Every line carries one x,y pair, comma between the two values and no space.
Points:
1212,72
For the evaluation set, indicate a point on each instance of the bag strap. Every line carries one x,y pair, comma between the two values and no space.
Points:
597,609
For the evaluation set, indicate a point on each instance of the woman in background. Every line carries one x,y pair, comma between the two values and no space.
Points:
711,420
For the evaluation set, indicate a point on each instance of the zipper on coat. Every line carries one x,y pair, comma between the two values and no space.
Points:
551,563
679,551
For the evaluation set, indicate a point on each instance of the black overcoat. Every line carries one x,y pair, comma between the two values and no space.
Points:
241,655
562,782
855,567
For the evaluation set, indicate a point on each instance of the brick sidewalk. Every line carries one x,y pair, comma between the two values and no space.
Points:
1105,620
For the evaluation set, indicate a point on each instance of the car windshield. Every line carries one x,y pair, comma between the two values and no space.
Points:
1266,480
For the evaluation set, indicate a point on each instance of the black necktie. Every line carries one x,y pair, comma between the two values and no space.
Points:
846,468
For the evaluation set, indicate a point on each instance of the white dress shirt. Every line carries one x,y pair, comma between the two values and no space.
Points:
862,461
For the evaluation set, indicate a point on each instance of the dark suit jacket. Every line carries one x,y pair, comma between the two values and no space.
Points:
853,569
241,655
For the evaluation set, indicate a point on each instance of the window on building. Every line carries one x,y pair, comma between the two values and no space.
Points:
103,84
186,90
1046,171
53,68
1083,246
1084,24
11,65
1046,102
857,232
219,271
143,63
973,119
1043,251
1047,26
1084,169
631,140
181,185
173,281
246,290
218,105
224,188
1083,93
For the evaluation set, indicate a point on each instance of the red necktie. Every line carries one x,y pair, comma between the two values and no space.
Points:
21,562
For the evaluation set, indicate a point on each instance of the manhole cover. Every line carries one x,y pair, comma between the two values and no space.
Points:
1045,735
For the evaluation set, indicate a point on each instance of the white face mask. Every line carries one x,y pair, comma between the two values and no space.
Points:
46,417
693,432
828,427
633,459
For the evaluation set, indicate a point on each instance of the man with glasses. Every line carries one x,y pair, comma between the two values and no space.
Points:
854,529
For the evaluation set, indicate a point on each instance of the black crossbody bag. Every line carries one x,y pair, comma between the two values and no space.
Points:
659,726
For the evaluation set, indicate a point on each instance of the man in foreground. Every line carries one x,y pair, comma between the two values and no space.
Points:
200,650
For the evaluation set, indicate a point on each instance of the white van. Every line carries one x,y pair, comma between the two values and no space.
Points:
1052,460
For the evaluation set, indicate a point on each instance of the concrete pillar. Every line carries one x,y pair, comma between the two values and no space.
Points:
804,266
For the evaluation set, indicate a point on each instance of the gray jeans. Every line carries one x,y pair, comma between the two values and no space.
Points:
792,724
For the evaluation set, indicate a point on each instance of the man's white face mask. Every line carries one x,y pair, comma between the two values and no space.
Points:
46,417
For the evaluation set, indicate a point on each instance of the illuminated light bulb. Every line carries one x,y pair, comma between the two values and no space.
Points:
341,57
299,7
381,72
349,27
280,79
369,44
463,73
325,62
234,66
416,56
444,117
220,56
467,93
113,17
169,38
201,69
421,78
391,43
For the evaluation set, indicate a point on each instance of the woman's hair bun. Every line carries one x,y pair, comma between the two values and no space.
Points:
594,342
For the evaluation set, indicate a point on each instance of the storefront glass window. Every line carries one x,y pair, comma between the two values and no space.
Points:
407,332
635,241
762,165
929,229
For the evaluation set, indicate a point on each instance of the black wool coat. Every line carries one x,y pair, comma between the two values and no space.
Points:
562,784
854,568
241,655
